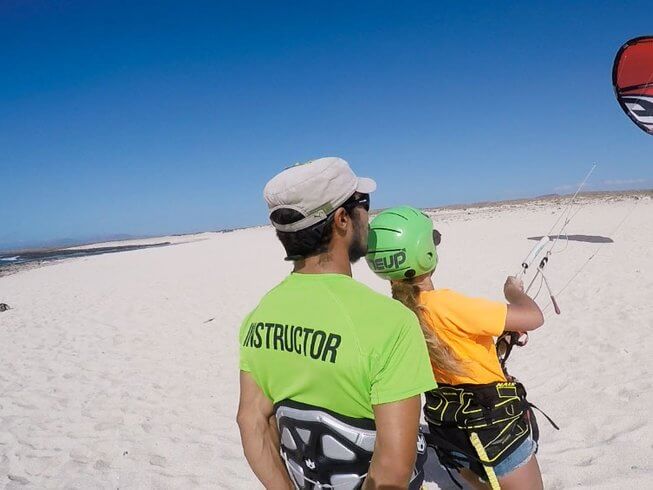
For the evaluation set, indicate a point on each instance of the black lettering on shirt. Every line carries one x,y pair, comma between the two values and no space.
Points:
268,326
331,348
317,343
288,343
308,342
278,337
307,335
250,333
297,338
258,342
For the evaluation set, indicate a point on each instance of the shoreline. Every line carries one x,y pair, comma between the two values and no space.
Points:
130,244
33,259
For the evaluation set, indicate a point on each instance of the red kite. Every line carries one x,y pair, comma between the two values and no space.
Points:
632,78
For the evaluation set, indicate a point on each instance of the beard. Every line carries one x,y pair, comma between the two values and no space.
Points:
358,246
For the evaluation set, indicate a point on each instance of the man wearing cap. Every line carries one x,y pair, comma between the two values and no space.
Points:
331,372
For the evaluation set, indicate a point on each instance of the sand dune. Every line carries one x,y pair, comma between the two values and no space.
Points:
120,371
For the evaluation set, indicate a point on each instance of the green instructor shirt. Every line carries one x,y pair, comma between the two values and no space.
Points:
330,341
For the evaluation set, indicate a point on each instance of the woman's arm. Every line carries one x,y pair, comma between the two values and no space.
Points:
523,313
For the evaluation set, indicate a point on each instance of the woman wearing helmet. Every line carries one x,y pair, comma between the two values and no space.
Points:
479,420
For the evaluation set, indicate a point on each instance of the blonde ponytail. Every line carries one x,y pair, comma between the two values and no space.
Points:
442,356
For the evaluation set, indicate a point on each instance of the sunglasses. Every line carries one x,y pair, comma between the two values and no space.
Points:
363,200
437,237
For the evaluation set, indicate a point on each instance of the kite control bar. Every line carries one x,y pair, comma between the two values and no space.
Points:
537,250
528,261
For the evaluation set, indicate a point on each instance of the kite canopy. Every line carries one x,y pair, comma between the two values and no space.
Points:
632,78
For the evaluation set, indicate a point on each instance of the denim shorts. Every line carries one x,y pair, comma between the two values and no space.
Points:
518,458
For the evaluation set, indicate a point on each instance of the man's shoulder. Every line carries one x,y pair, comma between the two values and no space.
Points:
368,297
345,295
339,287
376,315
268,296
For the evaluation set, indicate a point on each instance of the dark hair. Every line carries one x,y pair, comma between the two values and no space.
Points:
303,243
315,239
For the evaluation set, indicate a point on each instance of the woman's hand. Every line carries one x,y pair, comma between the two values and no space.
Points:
513,288
523,313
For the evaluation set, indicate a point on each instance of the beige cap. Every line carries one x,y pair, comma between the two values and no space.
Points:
314,189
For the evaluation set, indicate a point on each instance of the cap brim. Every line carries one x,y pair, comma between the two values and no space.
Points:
365,185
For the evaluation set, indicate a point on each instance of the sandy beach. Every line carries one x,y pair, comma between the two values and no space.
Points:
121,370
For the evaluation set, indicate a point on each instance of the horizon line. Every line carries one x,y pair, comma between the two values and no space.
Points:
62,243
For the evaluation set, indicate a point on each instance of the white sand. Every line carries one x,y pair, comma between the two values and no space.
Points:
111,375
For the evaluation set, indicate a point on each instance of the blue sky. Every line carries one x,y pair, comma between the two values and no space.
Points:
163,117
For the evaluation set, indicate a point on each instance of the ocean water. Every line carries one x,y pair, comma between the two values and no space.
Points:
27,256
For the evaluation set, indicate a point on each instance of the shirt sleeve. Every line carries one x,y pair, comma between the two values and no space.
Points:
403,369
477,316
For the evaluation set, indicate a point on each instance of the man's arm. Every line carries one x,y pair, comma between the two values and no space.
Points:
397,424
259,435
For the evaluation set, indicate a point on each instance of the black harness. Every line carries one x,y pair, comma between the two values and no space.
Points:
498,414
481,425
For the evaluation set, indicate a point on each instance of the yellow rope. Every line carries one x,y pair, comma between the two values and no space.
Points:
480,450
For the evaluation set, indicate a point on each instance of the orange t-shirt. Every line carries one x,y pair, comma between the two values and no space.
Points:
468,326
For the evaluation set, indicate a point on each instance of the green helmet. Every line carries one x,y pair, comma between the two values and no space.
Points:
401,244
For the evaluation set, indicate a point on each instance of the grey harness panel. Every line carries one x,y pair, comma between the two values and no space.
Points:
324,450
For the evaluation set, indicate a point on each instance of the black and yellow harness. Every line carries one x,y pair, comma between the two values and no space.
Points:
479,425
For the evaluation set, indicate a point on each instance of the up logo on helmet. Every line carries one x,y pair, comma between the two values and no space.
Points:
389,262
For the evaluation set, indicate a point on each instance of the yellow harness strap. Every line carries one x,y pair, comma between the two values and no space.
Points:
480,450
